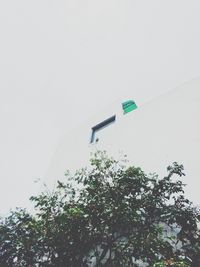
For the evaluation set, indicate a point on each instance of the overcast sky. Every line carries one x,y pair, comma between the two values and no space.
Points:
61,61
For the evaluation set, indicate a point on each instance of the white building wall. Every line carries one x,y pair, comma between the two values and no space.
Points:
165,130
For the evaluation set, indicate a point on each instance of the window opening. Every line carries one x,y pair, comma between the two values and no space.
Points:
129,106
100,127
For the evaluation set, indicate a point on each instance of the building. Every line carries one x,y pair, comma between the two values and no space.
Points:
153,136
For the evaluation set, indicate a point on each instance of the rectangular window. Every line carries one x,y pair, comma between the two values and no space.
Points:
100,127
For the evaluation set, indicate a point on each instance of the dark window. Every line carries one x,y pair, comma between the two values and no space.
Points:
101,126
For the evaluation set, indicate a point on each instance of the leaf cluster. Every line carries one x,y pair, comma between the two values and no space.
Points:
105,215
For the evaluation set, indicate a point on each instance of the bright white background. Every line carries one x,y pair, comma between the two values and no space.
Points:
61,61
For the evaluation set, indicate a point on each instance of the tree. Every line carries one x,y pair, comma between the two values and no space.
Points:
105,215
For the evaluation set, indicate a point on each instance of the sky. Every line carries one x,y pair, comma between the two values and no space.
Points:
63,61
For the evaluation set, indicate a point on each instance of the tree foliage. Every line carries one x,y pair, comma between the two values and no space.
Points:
105,215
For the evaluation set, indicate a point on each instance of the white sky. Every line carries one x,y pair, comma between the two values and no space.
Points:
61,61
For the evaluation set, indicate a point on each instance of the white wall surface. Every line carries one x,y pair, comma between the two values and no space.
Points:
165,130
55,53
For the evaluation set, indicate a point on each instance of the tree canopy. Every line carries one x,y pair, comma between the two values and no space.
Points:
108,214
